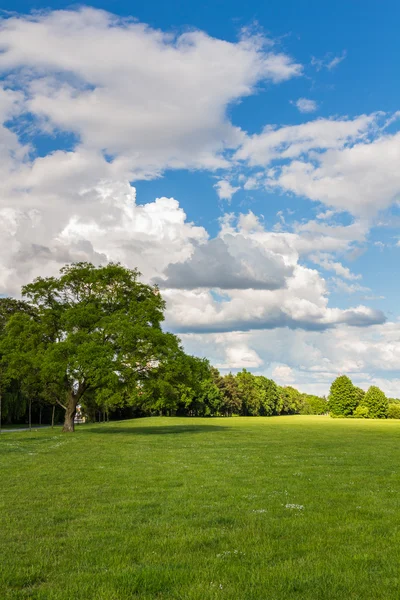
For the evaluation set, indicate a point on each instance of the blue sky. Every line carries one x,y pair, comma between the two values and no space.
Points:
244,156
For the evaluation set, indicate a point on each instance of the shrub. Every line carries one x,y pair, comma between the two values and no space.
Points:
343,397
376,402
361,412
394,411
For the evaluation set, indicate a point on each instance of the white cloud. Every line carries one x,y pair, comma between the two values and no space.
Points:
283,374
326,261
348,288
370,356
100,224
305,105
82,71
292,141
329,61
349,165
240,356
225,190
301,302
361,179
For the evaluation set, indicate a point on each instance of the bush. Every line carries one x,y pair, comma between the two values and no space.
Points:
376,402
361,412
394,411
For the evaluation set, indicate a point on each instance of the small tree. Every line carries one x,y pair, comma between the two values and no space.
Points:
376,403
343,397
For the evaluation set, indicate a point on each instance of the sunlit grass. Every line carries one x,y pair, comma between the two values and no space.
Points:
197,509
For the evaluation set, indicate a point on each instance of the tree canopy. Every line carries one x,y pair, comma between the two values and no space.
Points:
92,329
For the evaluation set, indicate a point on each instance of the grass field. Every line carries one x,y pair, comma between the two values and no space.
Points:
197,509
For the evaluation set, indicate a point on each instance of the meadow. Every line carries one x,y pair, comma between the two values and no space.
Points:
255,508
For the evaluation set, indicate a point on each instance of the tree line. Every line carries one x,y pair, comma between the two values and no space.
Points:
93,338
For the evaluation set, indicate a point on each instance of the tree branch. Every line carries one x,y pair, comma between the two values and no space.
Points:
62,405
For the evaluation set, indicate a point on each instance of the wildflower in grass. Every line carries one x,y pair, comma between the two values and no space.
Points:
295,506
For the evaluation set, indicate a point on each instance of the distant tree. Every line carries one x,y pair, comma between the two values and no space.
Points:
360,393
269,397
394,411
176,386
251,393
343,397
394,400
92,329
13,402
313,405
376,403
209,400
232,402
289,401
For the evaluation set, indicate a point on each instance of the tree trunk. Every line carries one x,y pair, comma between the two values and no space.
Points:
52,416
70,412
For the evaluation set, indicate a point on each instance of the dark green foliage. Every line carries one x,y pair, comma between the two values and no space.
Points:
359,394
394,411
289,401
250,392
270,397
91,330
232,402
343,397
376,403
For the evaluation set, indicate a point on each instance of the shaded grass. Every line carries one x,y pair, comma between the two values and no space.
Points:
199,509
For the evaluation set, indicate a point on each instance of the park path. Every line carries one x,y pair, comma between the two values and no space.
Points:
25,428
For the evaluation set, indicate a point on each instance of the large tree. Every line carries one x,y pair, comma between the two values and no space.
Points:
91,330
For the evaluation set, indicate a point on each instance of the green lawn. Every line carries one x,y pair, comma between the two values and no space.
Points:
197,509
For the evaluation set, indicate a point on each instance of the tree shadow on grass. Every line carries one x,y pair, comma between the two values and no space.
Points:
163,430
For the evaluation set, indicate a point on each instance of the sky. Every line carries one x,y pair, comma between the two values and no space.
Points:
245,157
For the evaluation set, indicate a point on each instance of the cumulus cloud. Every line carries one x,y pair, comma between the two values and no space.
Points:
302,302
82,71
283,374
103,224
292,141
347,164
305,105
231,262
225,190
370,356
